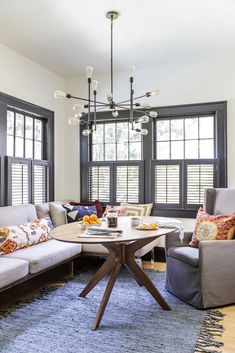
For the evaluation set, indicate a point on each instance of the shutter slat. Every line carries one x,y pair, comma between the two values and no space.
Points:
41,180
199,177
167,184
99,183
19,183
127,178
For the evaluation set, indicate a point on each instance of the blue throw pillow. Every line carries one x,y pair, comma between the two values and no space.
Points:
76,213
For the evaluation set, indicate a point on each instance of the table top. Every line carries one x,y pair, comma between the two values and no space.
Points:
72,232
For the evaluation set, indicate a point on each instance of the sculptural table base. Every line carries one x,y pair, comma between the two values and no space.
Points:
121,254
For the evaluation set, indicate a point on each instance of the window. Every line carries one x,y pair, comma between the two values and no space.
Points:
116,141
27,149
183,153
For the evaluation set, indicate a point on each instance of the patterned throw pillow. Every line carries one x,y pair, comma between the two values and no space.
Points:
13,238
138,209
210,227
121,210
76,213
96,203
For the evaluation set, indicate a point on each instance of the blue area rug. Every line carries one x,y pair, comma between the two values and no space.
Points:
58,321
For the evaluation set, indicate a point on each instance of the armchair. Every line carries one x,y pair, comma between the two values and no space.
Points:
204,277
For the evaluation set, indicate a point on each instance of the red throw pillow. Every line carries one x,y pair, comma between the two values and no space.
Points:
96,203
210,227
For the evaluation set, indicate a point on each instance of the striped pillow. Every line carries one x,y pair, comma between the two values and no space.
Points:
138,209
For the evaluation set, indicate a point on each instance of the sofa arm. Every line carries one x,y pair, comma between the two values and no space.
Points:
217,268
173,239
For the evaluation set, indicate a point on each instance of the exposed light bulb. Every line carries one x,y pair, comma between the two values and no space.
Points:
74,121
146,105
131,70
142,120
153,114
59,95
156,92
86,132
78,115
89,71
109,97
115,113
94,85
144,132
78,108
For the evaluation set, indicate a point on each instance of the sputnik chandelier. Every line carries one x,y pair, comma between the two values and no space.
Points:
87,114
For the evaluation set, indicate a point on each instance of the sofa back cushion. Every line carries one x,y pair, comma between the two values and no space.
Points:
17,215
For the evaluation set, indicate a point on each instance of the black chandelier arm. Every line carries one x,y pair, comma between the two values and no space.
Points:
134,98
95,110
84,99
134,110
111,55
89,101
104,105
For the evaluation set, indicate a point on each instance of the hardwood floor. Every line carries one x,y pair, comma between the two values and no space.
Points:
229,320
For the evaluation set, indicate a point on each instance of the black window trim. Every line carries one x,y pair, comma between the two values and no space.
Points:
29,109
218,109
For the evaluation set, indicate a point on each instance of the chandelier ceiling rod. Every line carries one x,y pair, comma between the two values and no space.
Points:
92,106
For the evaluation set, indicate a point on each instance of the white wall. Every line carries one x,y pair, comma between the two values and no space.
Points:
24,79
197,82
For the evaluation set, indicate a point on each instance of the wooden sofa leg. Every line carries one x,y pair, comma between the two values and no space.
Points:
71,269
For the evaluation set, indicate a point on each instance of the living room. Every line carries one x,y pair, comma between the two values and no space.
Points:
151,177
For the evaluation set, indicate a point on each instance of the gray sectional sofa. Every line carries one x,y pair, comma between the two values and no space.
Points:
24,264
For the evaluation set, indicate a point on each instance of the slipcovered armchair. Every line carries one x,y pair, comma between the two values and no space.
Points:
204,277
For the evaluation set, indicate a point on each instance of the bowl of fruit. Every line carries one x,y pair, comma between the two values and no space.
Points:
89,221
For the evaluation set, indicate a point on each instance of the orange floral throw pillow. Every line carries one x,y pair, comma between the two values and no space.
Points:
210,227
13,238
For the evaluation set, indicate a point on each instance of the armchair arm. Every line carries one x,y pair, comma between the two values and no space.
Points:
173,239
217,267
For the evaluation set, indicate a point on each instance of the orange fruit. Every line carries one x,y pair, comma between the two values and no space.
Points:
93,217
86,219
86,223
98,221
93,222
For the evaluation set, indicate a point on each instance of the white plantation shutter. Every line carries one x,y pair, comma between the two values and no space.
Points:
41,183
199,177
20,183
167,183
99,183
127,183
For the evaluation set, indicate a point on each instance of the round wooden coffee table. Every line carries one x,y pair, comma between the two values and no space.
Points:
121,252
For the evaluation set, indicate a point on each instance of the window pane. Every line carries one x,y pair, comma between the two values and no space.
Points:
37,150
191,149
110,152
10,123
28,127
109,133
163,130
191,128
206,127
38,129
19,125
135,150
10,145
163,150
133,135
177,150
98,152
19,147
98,135
122,132
206,148
122,151
177,129
28,148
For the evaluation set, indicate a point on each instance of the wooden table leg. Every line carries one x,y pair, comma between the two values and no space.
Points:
103,270
107,293
140,274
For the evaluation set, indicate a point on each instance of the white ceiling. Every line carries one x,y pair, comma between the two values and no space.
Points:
66,35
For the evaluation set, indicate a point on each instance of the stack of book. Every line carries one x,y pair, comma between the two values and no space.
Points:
98,232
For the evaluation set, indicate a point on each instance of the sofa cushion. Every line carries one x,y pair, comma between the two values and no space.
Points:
47,254
96,203
12,270
138,209
58,214
17,215
186,254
